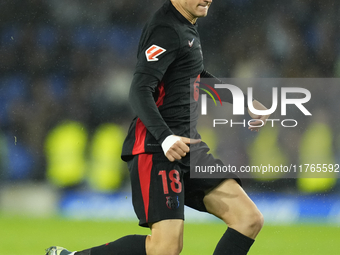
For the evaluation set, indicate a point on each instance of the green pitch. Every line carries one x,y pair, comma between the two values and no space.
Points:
27,236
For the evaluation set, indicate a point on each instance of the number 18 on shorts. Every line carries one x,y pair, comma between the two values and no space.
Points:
157,188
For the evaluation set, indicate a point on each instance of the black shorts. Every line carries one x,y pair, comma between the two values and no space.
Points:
160,188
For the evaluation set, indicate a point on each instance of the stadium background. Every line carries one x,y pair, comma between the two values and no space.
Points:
65,71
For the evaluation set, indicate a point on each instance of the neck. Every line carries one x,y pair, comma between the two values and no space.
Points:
184,12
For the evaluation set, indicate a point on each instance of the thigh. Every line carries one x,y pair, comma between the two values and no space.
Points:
197,188
229,202
166,237
157,188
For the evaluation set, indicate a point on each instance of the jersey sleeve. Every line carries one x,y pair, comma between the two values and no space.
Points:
157,51
143,104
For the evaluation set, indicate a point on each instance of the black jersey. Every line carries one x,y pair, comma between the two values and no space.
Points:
169,54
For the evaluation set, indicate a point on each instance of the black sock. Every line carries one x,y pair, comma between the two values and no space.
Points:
127,245
233,243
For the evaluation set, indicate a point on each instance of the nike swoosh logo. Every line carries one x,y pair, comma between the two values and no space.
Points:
191,43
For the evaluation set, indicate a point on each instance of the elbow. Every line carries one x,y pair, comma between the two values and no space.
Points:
133,93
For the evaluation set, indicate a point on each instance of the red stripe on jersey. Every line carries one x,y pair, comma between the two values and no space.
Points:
144,172
161,94
140,134
140,129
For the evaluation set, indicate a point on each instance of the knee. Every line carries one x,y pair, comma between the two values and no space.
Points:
255,221
173,249
164,248
250,222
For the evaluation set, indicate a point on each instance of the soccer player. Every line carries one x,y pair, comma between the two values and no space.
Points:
163,137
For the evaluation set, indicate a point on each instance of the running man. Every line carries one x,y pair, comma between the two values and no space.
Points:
159,142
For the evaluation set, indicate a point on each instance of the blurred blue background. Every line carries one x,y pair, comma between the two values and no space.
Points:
65,71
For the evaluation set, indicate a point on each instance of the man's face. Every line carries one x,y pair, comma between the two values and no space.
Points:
197,8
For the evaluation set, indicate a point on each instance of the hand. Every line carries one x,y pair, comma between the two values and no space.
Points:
175,147
262,119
